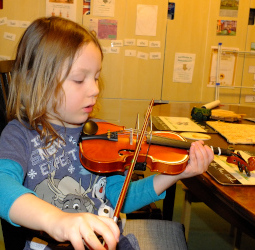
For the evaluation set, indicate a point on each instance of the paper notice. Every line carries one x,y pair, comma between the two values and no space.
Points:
184,67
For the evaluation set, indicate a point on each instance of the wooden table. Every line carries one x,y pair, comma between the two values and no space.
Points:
236,204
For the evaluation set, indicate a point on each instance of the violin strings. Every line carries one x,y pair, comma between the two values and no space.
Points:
149,145
155,139
135,131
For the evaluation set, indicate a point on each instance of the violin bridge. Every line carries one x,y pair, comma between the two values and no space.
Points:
137,122
131,136
137,126
150,123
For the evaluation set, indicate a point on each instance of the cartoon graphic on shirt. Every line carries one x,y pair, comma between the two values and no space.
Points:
99,189
99,192
68,195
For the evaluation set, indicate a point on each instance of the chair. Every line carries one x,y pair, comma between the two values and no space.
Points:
157,234
9,232
5,78
152,229
155,230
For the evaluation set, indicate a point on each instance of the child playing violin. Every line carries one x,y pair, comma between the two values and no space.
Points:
43,185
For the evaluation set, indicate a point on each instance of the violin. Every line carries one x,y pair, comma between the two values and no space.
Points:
112,147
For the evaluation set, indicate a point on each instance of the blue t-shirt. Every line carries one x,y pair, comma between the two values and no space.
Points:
56,175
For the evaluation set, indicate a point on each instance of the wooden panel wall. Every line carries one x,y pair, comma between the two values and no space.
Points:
131,82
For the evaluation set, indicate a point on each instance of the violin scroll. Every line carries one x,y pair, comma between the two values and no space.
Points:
238,160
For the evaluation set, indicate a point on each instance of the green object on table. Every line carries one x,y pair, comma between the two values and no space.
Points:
200,114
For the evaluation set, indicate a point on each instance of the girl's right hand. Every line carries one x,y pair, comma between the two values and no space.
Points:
80,228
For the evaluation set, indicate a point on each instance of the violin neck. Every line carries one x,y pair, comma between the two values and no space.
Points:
168,142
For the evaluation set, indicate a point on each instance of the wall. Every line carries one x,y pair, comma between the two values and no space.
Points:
134,82
131,82
27,10
22,10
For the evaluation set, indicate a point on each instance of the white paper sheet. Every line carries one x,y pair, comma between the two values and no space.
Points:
104,8
183,67
146,20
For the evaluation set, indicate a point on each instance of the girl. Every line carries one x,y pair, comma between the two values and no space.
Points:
42,183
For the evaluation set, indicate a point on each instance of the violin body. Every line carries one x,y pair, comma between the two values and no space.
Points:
105,156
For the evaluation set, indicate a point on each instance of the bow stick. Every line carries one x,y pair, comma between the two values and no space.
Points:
132,166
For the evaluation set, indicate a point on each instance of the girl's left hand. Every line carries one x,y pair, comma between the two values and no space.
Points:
200,158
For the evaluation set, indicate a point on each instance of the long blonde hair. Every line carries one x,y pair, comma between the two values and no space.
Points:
47,44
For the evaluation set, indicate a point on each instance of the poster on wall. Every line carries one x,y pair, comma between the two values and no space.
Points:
226,65
229,8
1,4
226,27
183,67
107,29
86,7
104,8
62,8
104,28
